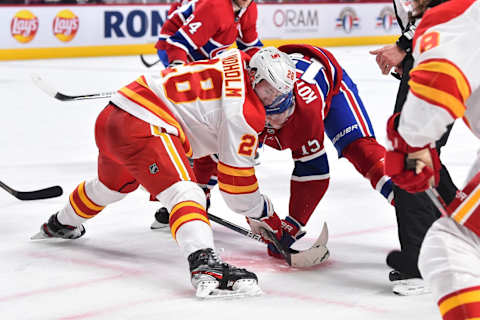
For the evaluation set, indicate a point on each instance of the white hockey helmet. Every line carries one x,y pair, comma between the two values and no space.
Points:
275,67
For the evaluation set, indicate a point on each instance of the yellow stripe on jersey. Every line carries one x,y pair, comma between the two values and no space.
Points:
238,189
185,204
149,105
450,70
441,97
458,300
172,151
184,218
85,200
235,172
77,209
141,82
467,207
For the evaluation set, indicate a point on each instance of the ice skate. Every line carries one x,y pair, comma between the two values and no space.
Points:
54,229
213,278
161,219
407,285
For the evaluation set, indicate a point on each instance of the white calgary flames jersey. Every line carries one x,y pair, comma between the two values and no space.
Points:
445,79
211,106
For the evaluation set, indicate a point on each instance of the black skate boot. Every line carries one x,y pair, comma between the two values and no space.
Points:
161,219
406,279
214,278
54,229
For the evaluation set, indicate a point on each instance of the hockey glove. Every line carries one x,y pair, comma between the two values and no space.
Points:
268,221
427,171
292,231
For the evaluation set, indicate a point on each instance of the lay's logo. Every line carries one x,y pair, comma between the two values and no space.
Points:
65,25
24,26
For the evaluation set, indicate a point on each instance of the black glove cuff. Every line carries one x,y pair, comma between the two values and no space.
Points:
404,43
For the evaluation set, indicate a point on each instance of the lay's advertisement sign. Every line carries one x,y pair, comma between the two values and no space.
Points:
24,26
30,32
65,25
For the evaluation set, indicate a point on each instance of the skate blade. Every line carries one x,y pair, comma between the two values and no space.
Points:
241,289
157,225
40,236
410,287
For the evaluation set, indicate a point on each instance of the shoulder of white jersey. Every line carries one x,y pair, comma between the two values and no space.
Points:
244,107
441,14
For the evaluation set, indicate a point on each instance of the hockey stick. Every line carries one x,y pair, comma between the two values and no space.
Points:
146,63
315,255
437,201
48,89
46,193
235,227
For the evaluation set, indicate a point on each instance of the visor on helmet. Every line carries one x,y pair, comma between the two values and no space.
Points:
280,104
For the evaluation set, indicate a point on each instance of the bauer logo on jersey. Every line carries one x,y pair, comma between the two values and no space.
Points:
348,20
65,25
153,168
24,26
386,19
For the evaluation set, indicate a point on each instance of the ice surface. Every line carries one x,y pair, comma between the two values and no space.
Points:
122,270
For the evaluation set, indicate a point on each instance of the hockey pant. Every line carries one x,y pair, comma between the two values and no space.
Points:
130,154
348,126
450,264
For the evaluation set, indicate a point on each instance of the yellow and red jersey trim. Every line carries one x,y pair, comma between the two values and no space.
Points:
441,14
236,180
441,83
81,203
461,304
184,212
139,93
465,207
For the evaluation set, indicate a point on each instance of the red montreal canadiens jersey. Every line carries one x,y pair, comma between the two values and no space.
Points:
319,76
201,29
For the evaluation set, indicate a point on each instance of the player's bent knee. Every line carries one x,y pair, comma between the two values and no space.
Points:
101,194
182,191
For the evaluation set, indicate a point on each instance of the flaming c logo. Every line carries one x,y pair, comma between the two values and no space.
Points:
24,26
65,25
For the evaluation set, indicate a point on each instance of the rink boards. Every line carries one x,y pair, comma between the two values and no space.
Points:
31,32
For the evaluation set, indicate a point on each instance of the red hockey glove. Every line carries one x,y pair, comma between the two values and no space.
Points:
292,231
413,181
268,221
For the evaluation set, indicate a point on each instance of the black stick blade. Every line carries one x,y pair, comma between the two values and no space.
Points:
146,63
47,193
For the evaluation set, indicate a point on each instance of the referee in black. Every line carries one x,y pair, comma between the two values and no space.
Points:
415,212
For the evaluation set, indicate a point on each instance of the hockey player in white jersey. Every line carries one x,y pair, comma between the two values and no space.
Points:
444,86
150,128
